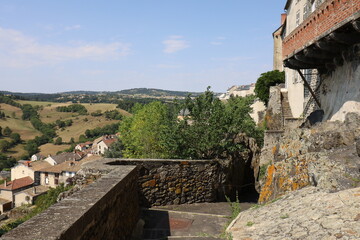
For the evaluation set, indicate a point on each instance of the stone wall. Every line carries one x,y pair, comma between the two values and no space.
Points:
323,156
273,117
167,182
106,209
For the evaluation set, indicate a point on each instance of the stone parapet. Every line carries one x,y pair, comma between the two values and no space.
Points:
106,209
167,182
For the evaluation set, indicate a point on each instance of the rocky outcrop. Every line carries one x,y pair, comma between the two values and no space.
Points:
323,155
307,214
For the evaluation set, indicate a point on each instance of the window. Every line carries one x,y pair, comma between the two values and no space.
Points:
67,174
46,174
305,11
56,181
46,180
298,18
56,175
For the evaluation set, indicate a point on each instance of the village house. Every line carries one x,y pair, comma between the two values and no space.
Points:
9,189
105,144
28,169
52,176
37,157
83,146
29,195
62,157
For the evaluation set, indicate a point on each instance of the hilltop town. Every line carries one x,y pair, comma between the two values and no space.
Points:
275,159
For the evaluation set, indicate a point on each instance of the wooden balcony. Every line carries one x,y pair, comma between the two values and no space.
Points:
327,37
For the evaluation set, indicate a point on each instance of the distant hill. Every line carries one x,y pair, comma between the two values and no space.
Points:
139,92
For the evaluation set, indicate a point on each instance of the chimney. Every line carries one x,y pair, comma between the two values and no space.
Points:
283,18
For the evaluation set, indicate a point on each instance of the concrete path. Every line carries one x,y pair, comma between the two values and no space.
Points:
188,221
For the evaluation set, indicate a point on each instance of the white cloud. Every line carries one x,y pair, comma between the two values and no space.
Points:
168,66
73,27
174,44
19,50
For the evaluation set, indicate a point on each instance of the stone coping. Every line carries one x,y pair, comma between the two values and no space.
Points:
116,161
60,217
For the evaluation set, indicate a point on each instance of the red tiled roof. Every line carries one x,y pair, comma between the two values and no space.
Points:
17,183
110,141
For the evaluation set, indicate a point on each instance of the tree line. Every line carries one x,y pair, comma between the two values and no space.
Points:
206,129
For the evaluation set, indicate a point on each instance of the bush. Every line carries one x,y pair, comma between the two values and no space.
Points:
265,81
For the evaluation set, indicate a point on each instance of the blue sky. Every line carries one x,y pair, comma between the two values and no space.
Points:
186,45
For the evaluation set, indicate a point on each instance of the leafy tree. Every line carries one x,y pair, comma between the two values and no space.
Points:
2,115
29,112
6,162
7,131
31,147
115,151
82,138
58,141
142,133
113,114
97,113
15,138
73,108
4,145
265,81
210,129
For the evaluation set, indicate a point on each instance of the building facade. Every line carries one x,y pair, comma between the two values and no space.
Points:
321,40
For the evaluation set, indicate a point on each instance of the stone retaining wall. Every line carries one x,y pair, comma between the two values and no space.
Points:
106,209
166,182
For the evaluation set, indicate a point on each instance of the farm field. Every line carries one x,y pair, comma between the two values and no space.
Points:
80,125
17,125
48,114
51,149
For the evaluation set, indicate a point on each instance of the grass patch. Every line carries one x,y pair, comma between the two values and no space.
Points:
249,224
284,216
51,149
235,211
262,171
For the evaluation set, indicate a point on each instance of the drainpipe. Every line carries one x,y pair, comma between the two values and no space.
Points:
308,87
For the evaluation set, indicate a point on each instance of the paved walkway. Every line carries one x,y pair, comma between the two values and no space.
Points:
306,214
188,221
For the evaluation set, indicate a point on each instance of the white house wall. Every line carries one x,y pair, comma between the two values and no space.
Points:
341,91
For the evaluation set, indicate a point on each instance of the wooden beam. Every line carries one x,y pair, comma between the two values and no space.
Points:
311,61
308,87
346,38
329,46
295,64
356,25
318,53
